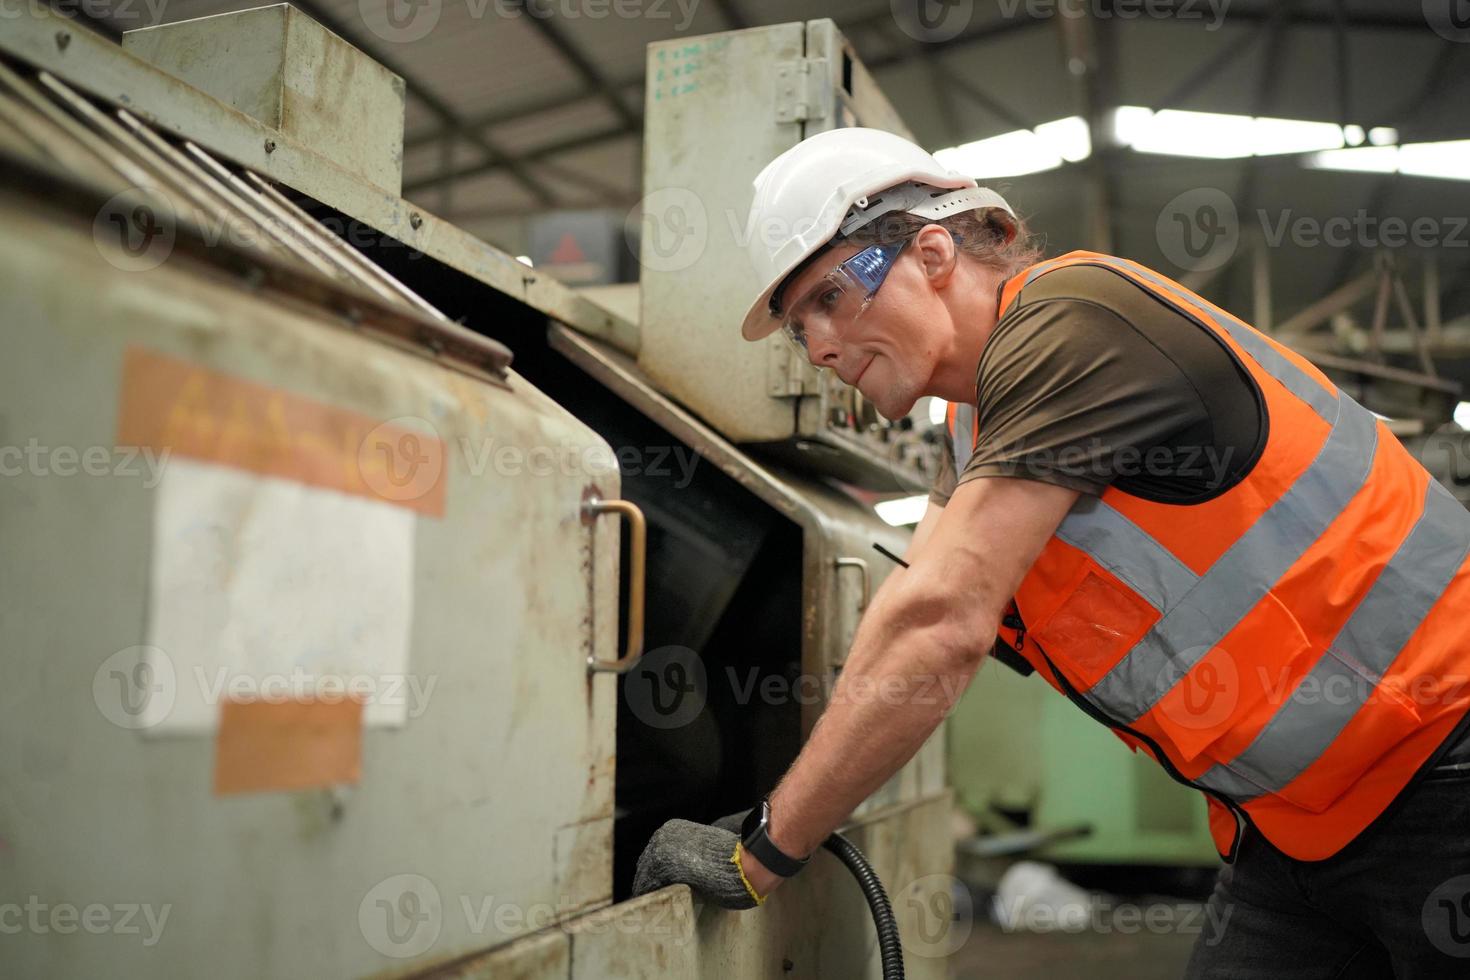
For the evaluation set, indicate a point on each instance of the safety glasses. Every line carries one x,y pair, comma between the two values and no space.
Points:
842,295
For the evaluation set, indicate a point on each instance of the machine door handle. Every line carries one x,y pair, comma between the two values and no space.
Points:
862,566
592,508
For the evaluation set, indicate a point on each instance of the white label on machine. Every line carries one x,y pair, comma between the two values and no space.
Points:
265,588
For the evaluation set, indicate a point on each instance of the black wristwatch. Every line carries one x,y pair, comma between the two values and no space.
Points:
755,839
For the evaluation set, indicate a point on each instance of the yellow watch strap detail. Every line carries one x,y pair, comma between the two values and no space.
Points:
735,860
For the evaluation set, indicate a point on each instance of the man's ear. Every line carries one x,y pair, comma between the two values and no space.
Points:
937,253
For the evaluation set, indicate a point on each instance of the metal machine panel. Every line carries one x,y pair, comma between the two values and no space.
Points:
286,70
508,592
767,89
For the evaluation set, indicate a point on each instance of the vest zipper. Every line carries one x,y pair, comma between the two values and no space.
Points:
1012,621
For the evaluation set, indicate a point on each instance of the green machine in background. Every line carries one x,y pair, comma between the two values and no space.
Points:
1016,747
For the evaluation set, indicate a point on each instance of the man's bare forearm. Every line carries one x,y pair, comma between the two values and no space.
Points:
907,668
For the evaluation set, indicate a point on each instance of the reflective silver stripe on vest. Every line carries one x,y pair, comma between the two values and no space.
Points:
1243,575
1129,552
1339,684
964,436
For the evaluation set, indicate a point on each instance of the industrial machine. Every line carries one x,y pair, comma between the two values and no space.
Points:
369,597
768,88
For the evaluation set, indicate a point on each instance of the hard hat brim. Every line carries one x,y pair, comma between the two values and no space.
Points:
758,323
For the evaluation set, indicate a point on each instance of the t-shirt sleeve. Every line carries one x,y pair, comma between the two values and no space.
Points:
1071,394
944,479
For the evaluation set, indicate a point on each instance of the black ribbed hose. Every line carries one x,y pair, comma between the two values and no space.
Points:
889,944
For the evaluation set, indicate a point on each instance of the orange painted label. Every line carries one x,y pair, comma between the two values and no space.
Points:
265,747
181,408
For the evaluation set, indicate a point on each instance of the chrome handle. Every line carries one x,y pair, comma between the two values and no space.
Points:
862,566
592,508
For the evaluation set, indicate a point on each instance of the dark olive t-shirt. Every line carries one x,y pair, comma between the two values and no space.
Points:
1090,381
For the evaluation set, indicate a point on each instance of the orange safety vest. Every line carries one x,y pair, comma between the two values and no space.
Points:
1298,646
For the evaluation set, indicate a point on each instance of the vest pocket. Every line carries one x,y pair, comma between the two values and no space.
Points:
1096,624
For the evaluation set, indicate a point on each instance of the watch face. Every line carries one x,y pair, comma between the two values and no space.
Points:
752,821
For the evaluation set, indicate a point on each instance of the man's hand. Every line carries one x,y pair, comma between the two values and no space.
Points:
701,856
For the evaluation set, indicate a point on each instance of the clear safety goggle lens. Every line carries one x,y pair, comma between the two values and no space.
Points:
842,294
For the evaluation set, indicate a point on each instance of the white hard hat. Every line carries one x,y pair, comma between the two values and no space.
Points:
830,184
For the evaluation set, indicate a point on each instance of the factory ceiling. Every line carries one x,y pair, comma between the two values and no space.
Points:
517,107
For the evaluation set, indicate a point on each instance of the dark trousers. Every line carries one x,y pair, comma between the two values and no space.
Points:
1394,905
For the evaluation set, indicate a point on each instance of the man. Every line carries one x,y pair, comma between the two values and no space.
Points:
1182,526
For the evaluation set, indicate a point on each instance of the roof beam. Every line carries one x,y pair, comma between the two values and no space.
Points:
973,34
596,83
582,141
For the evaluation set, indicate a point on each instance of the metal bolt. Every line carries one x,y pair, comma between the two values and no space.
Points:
63,38
416,220
270,146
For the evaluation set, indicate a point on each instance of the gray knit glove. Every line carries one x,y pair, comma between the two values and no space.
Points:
698,855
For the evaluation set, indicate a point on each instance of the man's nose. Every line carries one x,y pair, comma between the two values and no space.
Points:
822,350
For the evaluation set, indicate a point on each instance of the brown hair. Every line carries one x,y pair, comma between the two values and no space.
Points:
984,235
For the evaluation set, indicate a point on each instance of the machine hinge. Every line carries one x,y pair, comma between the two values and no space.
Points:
803,89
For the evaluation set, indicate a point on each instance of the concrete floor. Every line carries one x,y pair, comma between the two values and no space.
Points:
991,953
